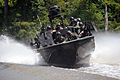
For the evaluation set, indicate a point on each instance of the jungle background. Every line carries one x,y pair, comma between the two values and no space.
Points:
22,19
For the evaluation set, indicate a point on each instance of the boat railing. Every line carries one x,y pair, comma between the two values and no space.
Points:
63,43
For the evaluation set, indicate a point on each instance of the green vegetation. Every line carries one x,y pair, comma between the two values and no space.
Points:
24,17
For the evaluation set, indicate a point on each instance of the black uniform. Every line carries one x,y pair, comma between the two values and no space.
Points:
59,40
85,32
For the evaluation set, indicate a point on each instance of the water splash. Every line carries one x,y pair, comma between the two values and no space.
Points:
103,69
13,52
107,48
105,60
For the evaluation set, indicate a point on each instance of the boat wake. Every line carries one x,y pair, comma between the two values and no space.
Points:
105,60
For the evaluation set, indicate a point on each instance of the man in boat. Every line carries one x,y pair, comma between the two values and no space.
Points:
59,38
54,12
54,32
36,43
43,37
59,28
49,36
63,30
72,21
78,20
84,30
76,26
70,36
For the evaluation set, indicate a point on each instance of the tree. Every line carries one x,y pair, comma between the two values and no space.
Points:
6,12
106,18
21,14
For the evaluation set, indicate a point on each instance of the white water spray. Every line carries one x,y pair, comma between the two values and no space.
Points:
107,48
14,52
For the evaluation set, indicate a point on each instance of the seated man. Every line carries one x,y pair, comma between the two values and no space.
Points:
54,32
70,36
76,27
72,21
59,38
84,30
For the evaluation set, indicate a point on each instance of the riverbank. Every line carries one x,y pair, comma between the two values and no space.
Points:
29,72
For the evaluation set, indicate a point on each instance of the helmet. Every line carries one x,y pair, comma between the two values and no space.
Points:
71,18
58,33
57,28
58,24
49,27
62,24
75,20
78,19
80,24
69,32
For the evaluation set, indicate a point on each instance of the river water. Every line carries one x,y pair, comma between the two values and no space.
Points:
105,60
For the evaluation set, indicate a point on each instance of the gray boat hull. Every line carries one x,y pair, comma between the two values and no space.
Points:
72,53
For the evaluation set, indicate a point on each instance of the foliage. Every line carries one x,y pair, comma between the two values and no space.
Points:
25,17
23,30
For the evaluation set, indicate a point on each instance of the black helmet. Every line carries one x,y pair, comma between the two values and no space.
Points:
78,19
71,18
69,31
49,27
75,20
80,24
62,24
57,28
58,33
58,24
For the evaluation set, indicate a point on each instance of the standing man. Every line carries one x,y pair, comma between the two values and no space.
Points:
49,36
43,37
